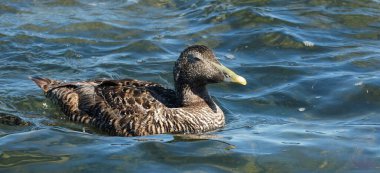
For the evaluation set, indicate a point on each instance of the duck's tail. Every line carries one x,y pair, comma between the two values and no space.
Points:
44,83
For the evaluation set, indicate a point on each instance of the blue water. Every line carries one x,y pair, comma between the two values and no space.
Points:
312,102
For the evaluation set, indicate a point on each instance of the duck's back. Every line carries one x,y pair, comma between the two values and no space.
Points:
119,107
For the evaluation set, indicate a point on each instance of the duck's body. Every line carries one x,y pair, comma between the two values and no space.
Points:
130,107
135,108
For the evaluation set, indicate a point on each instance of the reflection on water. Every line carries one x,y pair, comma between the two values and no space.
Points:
312,102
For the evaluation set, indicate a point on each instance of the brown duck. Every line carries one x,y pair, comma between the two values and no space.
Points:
134,108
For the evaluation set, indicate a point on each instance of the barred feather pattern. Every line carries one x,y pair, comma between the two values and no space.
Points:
130,107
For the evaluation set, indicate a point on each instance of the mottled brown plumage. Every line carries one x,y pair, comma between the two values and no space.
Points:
135,108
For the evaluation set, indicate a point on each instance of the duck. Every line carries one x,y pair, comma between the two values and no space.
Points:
130,107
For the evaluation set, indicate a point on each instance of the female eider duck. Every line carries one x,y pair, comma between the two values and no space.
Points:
135,108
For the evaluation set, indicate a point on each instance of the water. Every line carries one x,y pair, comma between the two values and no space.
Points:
312,102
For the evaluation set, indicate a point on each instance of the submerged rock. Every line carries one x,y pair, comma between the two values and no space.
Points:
12,120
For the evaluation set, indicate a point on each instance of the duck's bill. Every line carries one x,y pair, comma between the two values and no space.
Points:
229,75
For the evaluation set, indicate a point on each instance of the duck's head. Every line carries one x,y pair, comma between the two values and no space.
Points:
197,65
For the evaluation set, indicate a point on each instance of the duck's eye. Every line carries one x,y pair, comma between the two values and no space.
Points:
194,58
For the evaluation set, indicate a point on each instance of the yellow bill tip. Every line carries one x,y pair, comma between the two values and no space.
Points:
240,80
232,76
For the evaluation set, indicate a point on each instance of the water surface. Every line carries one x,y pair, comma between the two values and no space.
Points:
312,102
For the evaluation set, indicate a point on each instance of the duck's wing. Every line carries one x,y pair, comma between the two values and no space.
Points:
119,107
160,93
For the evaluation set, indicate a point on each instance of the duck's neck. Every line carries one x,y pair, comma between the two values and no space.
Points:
189,95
